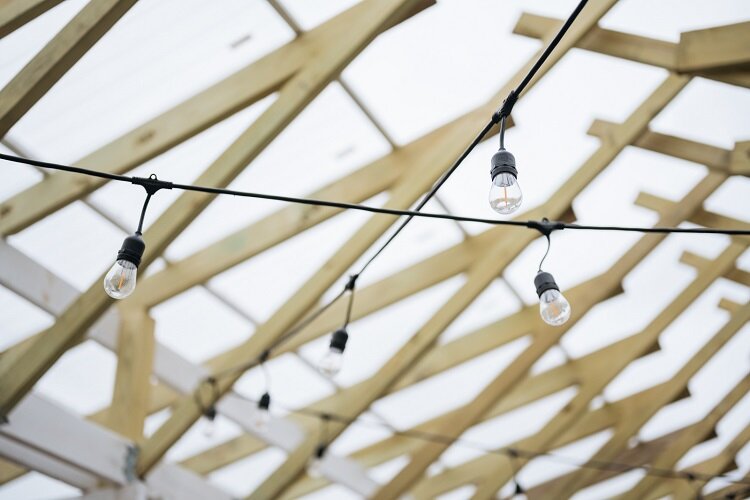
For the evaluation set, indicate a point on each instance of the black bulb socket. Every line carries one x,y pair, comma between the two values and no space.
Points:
132,249
503,162
338,340
543,282
264,402
210,413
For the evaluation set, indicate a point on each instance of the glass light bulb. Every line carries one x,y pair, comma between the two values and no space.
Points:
330,364
554,307
315,467
261,418
120,280
209,429
505,194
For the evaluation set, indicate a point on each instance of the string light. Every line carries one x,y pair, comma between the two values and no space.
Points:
208,411
262,415
119,282
315,465
332,361
554,308
505,191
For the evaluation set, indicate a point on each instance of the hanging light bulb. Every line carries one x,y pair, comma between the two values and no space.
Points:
553,306
518,493
262,415
210,428
330,364
315,467
505,192
120,280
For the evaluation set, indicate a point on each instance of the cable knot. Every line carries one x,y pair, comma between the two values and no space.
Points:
545,226
506,108
151,183
352,282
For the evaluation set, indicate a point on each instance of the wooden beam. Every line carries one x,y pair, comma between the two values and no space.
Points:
57,57
43,427
609,149
716,159
176,125
633,422
715,49
704,427
721,463
135,357
606,370
530,389
635,48
41,287
18,376
16,13
475,470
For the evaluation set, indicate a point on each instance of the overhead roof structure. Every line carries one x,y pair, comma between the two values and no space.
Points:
638,118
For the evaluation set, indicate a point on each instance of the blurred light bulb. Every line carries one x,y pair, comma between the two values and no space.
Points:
262,414
505,192
331,362
553,306
119,281
209,429
315,467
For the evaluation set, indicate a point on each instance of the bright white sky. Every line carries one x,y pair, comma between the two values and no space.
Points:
417,76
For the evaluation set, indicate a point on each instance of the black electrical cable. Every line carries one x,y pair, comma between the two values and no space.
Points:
514,452
556,225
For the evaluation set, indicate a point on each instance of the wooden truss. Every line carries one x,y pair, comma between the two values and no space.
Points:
119,462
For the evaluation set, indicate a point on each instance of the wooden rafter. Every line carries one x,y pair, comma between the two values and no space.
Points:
16,13
645,50
57,57
298,72
292,98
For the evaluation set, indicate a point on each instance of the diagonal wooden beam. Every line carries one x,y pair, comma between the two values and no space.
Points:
185,120
609,149
715,49
720,463
636,48
18,376
642,453
57,57
669,456
135,356
16,13
634,421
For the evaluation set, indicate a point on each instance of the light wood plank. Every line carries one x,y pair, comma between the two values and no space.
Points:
16,13
57,57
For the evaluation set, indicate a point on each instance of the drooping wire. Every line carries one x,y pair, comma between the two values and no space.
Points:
513,453
443,178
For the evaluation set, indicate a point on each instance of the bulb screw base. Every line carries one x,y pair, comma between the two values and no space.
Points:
544,281
503,162
132,249
338,340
